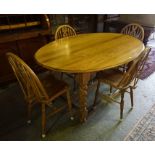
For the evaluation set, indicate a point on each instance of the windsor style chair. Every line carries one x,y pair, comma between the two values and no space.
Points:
43,91
122,81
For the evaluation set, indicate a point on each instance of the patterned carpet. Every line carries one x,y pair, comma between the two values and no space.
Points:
149,67
144,129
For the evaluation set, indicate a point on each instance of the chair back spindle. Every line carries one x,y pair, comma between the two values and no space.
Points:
29,82
135,69
134,30
64,31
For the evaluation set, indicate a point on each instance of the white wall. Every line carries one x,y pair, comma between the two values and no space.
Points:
143,19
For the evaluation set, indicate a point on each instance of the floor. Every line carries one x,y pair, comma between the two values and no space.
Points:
103,124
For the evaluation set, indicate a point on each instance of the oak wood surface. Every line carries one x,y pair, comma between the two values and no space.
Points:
89,52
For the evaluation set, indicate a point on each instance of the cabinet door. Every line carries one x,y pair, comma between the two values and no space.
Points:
83,23
6,72
28,47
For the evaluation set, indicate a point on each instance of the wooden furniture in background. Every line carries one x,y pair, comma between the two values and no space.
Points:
83,23
22,35
109,18
43,91
87,53
122,80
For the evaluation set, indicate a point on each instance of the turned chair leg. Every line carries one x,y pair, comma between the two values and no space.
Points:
29,112
69,105
131,96
96,94
110,89
61,76
121,105
74,85
43,120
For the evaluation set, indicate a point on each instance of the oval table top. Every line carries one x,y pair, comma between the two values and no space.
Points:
89,52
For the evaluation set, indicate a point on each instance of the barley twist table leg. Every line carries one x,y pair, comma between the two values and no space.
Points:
83,79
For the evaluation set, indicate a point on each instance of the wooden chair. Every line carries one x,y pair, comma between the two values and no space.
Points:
43,91
62,32
122,80
134,30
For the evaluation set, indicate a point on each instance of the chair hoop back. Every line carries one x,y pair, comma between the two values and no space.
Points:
29,82
142,64
64,31
134,30
135,68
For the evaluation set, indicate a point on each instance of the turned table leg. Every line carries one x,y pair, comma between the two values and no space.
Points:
83,79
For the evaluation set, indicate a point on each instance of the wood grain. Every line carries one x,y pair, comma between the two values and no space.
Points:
89,52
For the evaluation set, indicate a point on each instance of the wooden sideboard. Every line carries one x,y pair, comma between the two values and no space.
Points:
22,35
84,23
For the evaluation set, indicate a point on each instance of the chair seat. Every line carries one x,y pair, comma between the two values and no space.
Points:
53,86
111,76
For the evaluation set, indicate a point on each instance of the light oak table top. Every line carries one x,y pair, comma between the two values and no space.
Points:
89,52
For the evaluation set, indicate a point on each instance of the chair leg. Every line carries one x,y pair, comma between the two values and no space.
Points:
122,105
69,105
110,89
29,113
131,96
43,120
74,87
125,68
96,94
61,76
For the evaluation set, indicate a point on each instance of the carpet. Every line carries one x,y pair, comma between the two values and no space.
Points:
149,66
144,130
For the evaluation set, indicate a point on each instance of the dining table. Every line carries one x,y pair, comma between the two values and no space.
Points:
84,54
